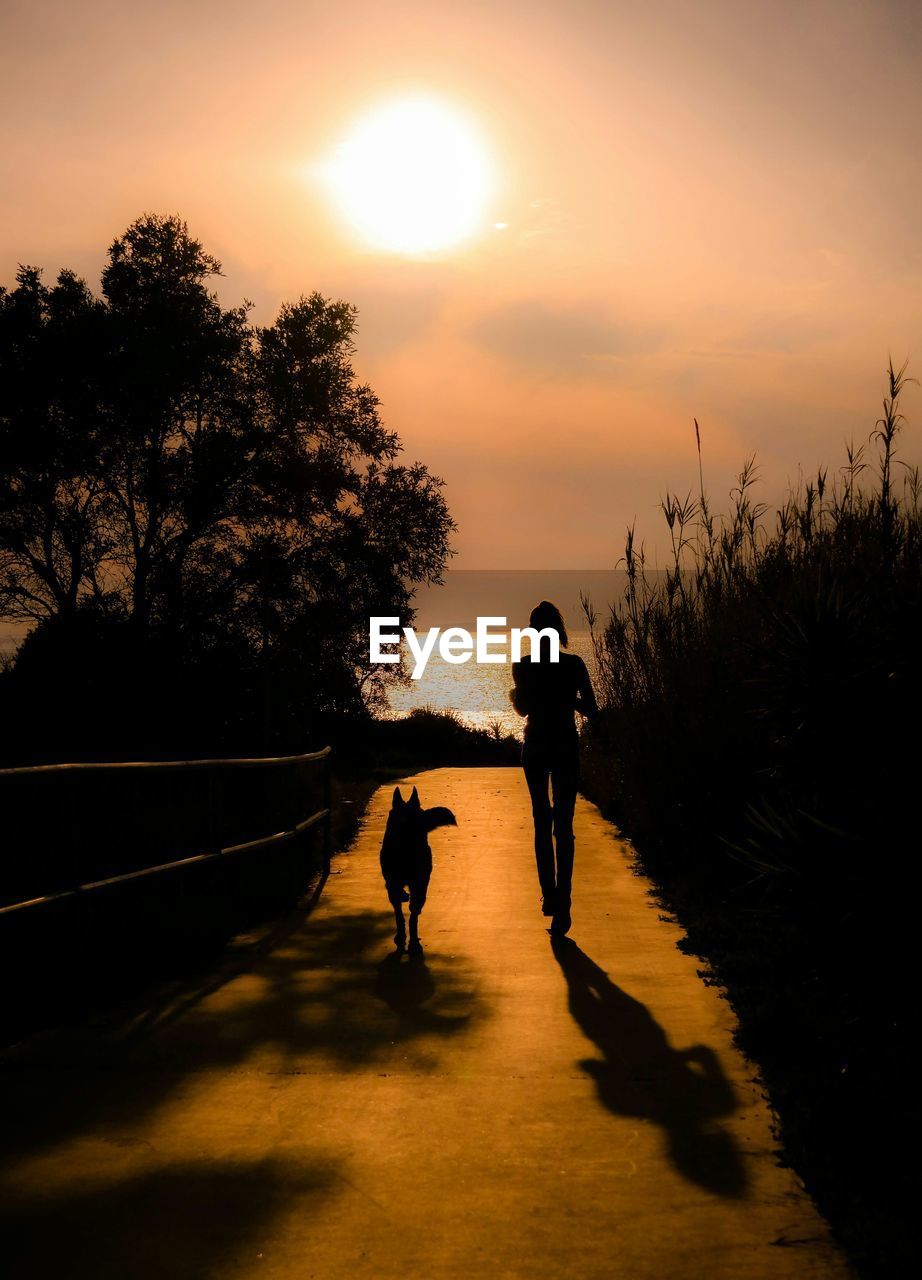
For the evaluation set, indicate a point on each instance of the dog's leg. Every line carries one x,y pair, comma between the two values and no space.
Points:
416,947
400,937
418,890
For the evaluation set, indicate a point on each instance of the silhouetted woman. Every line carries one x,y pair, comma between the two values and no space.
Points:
550,694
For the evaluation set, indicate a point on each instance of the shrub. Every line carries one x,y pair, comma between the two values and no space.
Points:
761,707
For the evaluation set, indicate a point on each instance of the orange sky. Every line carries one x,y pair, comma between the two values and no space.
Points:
712,211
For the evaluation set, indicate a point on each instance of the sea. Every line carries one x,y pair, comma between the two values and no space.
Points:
479,693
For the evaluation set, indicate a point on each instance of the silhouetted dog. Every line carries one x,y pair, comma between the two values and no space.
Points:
406,861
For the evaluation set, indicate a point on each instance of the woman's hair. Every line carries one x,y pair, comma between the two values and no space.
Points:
546,614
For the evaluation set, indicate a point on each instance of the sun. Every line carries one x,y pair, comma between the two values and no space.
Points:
412,177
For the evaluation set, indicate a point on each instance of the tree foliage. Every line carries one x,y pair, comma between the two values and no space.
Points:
215,494
758,742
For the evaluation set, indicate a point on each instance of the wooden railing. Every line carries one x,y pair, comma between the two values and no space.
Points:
69,781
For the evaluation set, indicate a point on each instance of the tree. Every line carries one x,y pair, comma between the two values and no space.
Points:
50,342
223,494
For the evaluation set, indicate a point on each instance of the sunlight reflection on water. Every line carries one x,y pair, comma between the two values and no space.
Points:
478,693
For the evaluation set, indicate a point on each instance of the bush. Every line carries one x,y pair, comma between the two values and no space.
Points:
758,743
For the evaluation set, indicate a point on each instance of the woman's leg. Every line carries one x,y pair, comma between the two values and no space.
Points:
536,775
564,783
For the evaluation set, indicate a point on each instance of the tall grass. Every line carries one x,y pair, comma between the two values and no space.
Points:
759,742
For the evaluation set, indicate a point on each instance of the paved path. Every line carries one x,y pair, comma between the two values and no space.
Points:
320,1108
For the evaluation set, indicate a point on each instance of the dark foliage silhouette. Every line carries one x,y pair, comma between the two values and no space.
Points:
196,512
758,742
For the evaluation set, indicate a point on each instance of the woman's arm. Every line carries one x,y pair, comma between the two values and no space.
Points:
518,694
586,704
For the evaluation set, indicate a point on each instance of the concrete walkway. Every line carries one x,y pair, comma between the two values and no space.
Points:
320,1108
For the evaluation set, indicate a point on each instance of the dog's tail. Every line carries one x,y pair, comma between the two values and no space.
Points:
439,817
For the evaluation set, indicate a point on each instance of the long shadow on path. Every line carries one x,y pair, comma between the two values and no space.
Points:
639,1074
313,996
184,1221
86,1186
422,1004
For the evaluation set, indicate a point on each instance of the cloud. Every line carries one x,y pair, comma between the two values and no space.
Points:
391,318
779,335
557,339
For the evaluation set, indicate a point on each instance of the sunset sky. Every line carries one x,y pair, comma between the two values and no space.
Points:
711,209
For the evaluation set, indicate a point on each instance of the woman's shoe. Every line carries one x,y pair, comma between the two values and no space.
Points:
547,904
560,925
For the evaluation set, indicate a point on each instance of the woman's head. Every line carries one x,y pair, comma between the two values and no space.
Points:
546,614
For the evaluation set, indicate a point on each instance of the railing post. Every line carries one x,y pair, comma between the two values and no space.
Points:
214,844
77,848
328,805
80,924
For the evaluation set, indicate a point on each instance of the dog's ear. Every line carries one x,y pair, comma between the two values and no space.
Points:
438,817
413,801
399,801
